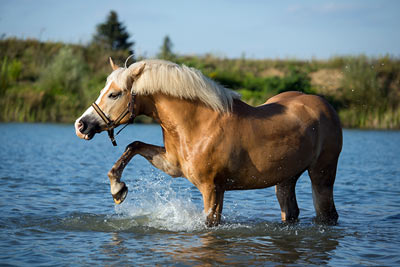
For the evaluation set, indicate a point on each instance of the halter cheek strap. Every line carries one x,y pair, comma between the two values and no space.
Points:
112,124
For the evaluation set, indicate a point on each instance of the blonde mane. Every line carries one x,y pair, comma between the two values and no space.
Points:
168,78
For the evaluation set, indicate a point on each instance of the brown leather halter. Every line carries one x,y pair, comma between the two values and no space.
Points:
112,124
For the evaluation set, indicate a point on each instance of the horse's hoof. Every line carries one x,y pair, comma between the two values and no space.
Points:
121,195
211,224
326,221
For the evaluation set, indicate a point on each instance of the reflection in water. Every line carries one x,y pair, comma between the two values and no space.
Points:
314,245
203,249
260,244
115,249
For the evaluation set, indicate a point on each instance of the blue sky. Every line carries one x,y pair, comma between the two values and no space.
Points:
255,28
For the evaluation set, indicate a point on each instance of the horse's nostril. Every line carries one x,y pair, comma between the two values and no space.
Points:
81,126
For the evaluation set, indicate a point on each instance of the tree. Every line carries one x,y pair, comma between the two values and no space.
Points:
166,49
112,34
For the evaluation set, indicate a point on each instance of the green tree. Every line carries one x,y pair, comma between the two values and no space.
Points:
112,34
166,49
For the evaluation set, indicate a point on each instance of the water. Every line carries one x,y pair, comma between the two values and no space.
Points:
56,208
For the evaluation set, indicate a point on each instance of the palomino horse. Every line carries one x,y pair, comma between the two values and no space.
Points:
218,142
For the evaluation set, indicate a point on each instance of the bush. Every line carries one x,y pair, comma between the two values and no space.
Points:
65,73
296,80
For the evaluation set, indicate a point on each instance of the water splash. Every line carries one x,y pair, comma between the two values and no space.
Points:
156,202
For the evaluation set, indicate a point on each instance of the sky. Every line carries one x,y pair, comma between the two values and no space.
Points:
226,28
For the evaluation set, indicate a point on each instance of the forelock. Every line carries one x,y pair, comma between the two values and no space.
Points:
119,77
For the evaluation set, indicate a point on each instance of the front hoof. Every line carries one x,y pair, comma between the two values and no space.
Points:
211,223
121,195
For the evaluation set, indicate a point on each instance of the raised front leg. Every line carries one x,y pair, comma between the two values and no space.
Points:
156,155
213,199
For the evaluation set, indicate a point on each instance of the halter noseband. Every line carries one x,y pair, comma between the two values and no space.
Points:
112,124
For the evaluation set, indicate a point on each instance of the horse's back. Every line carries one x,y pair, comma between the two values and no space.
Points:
316,114
283,96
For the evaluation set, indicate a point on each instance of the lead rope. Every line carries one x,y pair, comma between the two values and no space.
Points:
121,129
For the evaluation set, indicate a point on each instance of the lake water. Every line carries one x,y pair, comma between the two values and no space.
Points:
56,208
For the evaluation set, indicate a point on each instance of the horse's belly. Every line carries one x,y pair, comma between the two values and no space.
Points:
251,182
256,181
265,174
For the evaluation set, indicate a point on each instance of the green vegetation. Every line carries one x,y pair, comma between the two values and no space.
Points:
50,82
56,82
370,93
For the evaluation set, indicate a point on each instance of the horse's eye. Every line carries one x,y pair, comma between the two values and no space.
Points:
114,95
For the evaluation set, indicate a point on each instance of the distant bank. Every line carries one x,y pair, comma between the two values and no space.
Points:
56,82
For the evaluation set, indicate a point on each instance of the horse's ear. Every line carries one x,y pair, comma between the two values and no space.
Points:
135,72
113,66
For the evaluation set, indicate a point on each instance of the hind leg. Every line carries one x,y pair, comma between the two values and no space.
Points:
286,195
322,180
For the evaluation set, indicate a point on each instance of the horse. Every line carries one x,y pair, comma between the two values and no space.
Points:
217,141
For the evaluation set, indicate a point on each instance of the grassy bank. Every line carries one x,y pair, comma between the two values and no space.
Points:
56,82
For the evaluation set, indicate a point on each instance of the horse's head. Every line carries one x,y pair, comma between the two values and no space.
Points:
111,107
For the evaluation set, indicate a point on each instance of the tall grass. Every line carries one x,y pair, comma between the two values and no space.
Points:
9,73
370,95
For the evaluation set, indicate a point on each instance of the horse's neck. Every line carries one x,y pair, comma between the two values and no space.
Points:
182,118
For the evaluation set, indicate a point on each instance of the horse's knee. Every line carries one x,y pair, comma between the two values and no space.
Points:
133,145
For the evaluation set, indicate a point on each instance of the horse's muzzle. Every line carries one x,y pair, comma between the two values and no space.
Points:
84,129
